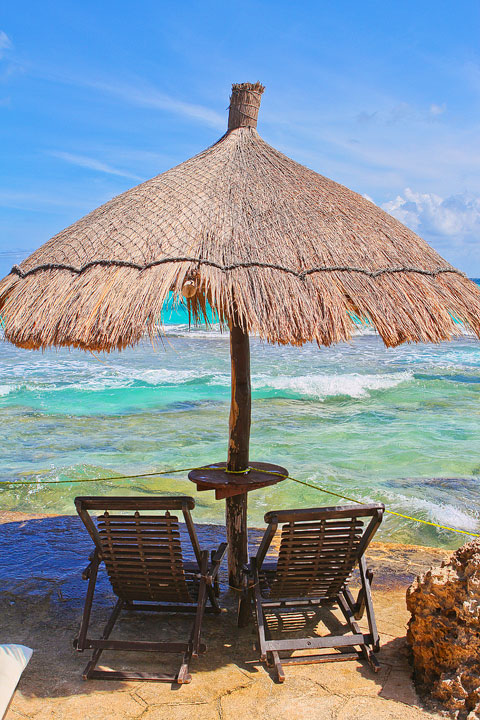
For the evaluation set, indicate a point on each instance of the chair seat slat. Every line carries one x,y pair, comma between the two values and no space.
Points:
314,556
128,517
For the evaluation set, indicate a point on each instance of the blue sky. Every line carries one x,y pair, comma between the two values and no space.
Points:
382,97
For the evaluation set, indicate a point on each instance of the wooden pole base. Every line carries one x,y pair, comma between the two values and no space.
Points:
236,521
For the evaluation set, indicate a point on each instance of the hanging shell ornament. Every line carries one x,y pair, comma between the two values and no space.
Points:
189,289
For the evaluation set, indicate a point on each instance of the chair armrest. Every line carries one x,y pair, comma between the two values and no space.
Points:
94,560
219,553
217,557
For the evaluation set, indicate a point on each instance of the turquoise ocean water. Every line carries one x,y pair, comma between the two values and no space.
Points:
401,426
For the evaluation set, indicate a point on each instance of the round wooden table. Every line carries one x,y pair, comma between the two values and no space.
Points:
227,484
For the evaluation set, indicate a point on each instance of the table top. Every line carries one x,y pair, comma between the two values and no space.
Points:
226,484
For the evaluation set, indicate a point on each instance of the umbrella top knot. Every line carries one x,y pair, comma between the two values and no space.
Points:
244,105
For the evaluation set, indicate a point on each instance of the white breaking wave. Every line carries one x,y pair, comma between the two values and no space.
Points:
352,385
438,512
318,386
454,517
161,376
201,331
119,378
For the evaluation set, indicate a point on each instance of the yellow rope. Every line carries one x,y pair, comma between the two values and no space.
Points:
390,512
98,479
346,497
233,472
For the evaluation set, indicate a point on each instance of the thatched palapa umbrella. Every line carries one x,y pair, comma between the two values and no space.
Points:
274,248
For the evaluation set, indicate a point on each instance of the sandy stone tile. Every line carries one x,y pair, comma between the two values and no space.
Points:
375,707
300,699
206,711
399,687
345,678
105,706
206,687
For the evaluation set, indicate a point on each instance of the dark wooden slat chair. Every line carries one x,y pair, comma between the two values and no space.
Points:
142,552
319,549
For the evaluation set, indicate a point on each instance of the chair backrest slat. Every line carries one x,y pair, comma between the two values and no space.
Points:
142,552
319,548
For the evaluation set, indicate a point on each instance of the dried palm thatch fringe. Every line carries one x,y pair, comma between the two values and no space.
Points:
291,253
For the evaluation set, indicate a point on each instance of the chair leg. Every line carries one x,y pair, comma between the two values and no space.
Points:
202,599
273,657
260,624
245,600
89,669
184,676
244,613
79,642
366,651
366,577
278,666
216,584
213,595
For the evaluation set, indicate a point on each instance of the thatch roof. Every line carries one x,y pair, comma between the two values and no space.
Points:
291,252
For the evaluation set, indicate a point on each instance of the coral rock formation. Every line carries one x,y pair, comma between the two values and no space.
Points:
444,631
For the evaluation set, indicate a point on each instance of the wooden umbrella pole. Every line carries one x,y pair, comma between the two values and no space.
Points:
238,449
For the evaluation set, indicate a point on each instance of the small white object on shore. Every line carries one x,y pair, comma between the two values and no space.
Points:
13,661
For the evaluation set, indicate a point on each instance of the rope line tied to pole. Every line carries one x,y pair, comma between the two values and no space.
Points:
235,472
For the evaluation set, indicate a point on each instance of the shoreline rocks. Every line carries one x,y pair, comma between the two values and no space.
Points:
444,632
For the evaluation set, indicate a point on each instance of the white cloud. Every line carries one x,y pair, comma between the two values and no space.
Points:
141,94
455,215
5,43
148,96
401,112
437,109
92,164
451,225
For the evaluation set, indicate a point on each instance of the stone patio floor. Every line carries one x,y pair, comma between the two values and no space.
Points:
41,600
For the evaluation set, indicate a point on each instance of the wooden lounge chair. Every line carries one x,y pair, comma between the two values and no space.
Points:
319,548
143,558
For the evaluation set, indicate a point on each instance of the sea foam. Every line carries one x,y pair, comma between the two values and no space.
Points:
320,386
446,514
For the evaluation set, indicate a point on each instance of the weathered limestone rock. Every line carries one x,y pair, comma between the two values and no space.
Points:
444,631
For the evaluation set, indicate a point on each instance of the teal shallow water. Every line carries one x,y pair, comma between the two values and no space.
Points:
401,426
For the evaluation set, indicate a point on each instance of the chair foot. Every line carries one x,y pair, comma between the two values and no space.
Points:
278,667
244,612
370,657
183,676
185,680
202,649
